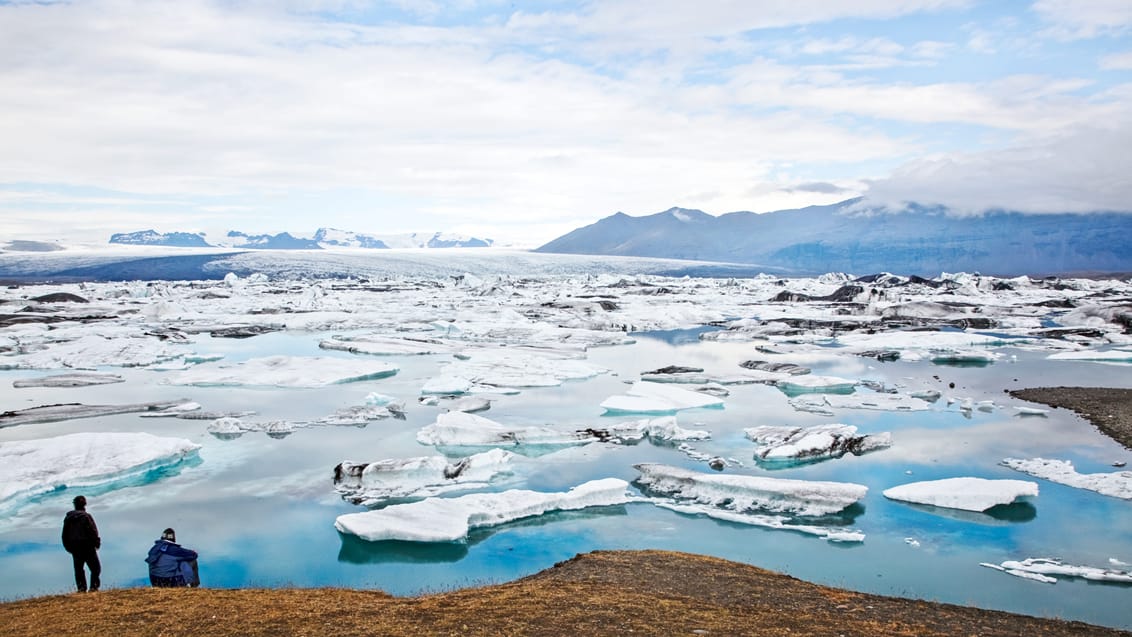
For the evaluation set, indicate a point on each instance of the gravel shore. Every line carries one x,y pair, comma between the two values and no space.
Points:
1108,408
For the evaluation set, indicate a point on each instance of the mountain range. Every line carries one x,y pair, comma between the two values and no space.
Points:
323,238
851,236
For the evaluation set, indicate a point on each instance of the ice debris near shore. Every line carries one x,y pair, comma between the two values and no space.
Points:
1117,484
747,494
284,371
374,483
965,493
1042,569
450,519
786,444
29,468
645,397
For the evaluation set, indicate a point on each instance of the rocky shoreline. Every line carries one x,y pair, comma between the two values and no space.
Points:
1109,409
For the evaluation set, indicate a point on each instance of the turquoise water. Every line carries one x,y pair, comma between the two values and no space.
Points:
261,510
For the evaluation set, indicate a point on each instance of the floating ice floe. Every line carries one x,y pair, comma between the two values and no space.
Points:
378,345
91,351
455,429
743,494
174,411
75,379
831,533
1095,356
958,356
468,404
57,413
1041,569
967,494
812,384
373,483
786,444
662,429
33,467
1031,411
508,368
1117,484
658,398
825,403
284,371
229,428
450,519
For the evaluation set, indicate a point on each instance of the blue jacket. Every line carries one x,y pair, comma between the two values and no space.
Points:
165,558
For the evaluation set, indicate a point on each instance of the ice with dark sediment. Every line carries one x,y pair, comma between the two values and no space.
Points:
663,429
73,379
1042,569
965,493
283,371
1117,484
787,444
747,493
450,519
824,404
29,468
456,429
381,345
645,397
71,411
375,483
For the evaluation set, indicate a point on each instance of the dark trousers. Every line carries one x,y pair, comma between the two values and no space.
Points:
88,558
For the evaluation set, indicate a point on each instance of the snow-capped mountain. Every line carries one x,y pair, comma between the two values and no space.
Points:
323,238
281,241
852,237
153,238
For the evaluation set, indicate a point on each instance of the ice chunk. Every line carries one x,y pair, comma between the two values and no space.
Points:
284,371
1117,484
469,404
174,411
961,356
460,429
820,442
1031,411
447,384
1041,568
658,398
1098,356
450,519
228,428
662,429
826,403
75,379
741,493
831,533
373,483
812,384
968,494
32,467
509,368
56,413
377,345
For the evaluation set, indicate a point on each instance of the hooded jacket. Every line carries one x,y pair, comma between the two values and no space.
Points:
80,533
165,558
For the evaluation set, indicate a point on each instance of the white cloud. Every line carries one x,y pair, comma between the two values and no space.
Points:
1076,19
1117,62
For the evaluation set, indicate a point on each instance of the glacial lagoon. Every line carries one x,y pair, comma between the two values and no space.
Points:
261,508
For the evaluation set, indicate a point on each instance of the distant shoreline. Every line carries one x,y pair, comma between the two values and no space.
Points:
1109,409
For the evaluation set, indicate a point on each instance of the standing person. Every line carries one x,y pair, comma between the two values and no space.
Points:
170,564
80,538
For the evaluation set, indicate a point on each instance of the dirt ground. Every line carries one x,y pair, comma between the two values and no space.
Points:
1107,408
600,593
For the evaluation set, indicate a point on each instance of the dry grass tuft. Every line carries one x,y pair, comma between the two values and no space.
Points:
601,593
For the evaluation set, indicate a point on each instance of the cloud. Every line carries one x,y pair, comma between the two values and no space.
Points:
1117,62
821,187
1079,19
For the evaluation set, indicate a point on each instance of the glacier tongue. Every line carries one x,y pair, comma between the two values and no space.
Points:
450,519
742,493
32,467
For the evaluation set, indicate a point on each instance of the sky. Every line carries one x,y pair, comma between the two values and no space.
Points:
520,121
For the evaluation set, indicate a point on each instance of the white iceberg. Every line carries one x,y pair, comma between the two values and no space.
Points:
377,345
1041,569
813,384
967,494
788,443
831,533
662,429
284,371
74,379
1092,355
450,519
33,467
644,397
742,493
460,429
372,483
825,403
230,427
1117,484
510,368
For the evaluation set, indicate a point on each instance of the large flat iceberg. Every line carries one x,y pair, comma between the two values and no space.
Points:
1117,484
33,467
373,483
644,397
450,519
284,371
461,429
1042,569
968,494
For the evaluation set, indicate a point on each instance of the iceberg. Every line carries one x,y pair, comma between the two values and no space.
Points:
508,368
1117,484
461,429
74,379
29,468
229,428
284,371
658,398
831,533
813,384
662,429
374,483
825,403
69,411
742,493
967,494
1041,569
375,345
450,519
1096,356
778,444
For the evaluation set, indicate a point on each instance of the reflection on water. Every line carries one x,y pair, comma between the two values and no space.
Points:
261,510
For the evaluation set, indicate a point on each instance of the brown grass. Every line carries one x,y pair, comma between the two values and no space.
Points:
601,593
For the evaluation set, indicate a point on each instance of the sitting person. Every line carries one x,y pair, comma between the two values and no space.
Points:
170,564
